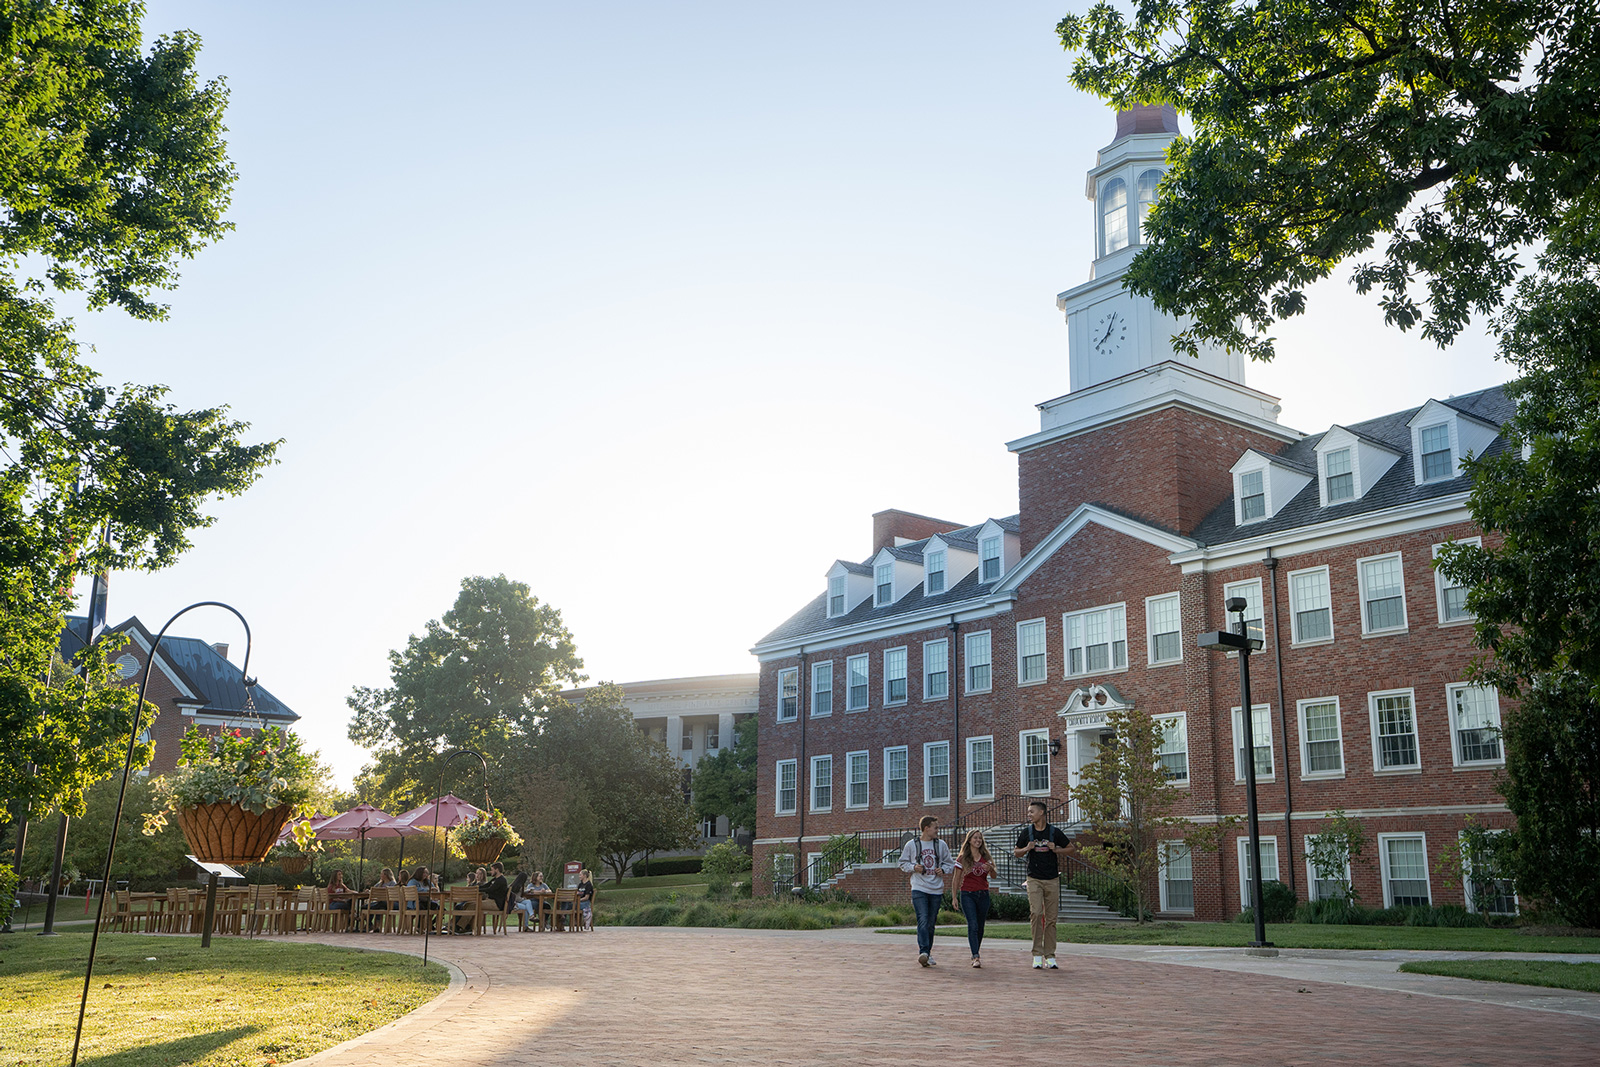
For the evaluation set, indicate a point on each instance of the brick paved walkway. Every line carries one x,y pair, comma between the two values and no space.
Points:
662,997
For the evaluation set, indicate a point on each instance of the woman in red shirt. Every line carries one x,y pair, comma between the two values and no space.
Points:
975,865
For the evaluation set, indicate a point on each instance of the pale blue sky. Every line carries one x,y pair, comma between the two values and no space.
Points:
647,305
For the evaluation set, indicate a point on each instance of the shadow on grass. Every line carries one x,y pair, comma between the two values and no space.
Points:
127,955
179,1050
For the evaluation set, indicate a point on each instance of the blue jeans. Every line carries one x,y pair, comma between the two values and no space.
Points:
927,905
975,906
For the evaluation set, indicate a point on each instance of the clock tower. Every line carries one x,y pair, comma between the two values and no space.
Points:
1112,332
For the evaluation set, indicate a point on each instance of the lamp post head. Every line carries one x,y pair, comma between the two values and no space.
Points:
1228,641
1234,603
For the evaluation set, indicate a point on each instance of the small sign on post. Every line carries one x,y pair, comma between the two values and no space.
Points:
213,872
569,876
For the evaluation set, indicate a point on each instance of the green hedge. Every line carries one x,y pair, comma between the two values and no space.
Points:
1008,908
8,892
672,865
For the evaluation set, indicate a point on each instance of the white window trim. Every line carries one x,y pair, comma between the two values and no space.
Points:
1439,586
1454,438
999,542
867,658
1243,851
1305,752
949,773
1261,598
1355,475
1466,875
1181,717
1043,678
812,860
1149,633
1383,863
867,754
1455,737
1416,731
1238,495
1294,623
777,794
966,664
1164,850
812,783
1237,719
781,717
845,578
833,689
906,678
1066,648
875,584
886,801
928,573
991,793
1311,870
926,696
1022,763
1361,586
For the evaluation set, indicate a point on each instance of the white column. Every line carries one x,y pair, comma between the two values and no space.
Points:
725,730
675,736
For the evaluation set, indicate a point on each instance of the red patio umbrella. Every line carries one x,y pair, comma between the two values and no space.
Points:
450,810
363,821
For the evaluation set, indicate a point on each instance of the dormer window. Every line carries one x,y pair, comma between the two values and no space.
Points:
989,553
1252,496
883,581
1341,480
1114,209
935,566
1433,443
1147,198
836,595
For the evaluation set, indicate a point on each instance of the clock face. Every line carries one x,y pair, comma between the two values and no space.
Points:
1109,333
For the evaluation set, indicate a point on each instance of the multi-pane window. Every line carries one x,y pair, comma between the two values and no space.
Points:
1174,748
935,670
1321,738
856,669
1405,870
788,694
1254,615
686,742
1452,597
978,662
1164,629
1252,496
836,594
980,767
1097,640
1475,722
1269,866
713,737
783,868
883,582
1177,877
1114,205
935,564
1148,181
1434,444
1310,605
821,783
857,769
896,786
1383,594
936,772
1030,651
894,676
1327,884
1260,737
1394,726
989,554
787,771
822,689
1036,761
1486,890
1340,482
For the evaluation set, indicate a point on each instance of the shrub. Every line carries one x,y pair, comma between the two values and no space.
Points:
703,913
1277,901
671,865
8,892
946,917
720,864
782,917
1008,907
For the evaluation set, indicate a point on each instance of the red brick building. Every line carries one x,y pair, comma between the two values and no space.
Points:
960,665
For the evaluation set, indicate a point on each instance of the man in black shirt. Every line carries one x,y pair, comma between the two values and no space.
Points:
496,888
1043,846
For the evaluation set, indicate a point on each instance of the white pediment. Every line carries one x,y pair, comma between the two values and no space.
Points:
1090,704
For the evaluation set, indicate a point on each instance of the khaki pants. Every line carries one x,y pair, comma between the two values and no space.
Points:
1044,903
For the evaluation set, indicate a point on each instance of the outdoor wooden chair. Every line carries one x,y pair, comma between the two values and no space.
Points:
470,916
564,911
121,913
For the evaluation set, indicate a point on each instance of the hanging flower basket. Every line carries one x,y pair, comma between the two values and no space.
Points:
482,837
293,865
228,833
486,850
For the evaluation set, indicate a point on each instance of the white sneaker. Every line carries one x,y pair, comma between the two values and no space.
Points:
1038,963
931,962
922,958
1050,962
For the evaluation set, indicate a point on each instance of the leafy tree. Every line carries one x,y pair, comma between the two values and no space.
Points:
480,678
1340,841
723,861
1128,801
1455,133
115,168
1475,864
725,784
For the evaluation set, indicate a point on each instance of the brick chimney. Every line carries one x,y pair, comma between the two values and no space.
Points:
888,526
220,648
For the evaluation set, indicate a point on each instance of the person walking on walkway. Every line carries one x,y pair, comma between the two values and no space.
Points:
975,865
927,860
1043,845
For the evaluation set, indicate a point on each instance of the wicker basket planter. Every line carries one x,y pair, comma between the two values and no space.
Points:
227,833
293,865
484,851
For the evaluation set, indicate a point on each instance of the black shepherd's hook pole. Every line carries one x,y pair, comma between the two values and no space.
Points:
116,820
433,853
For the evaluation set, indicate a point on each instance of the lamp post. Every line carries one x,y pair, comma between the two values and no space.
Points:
122,793
427,920
1239,640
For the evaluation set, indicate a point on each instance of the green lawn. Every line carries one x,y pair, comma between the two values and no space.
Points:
239,1003
654,881
1296,935
631,896
1553,973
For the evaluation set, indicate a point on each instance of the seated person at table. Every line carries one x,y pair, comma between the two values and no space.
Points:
338,893
422,882
529,903
495,888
